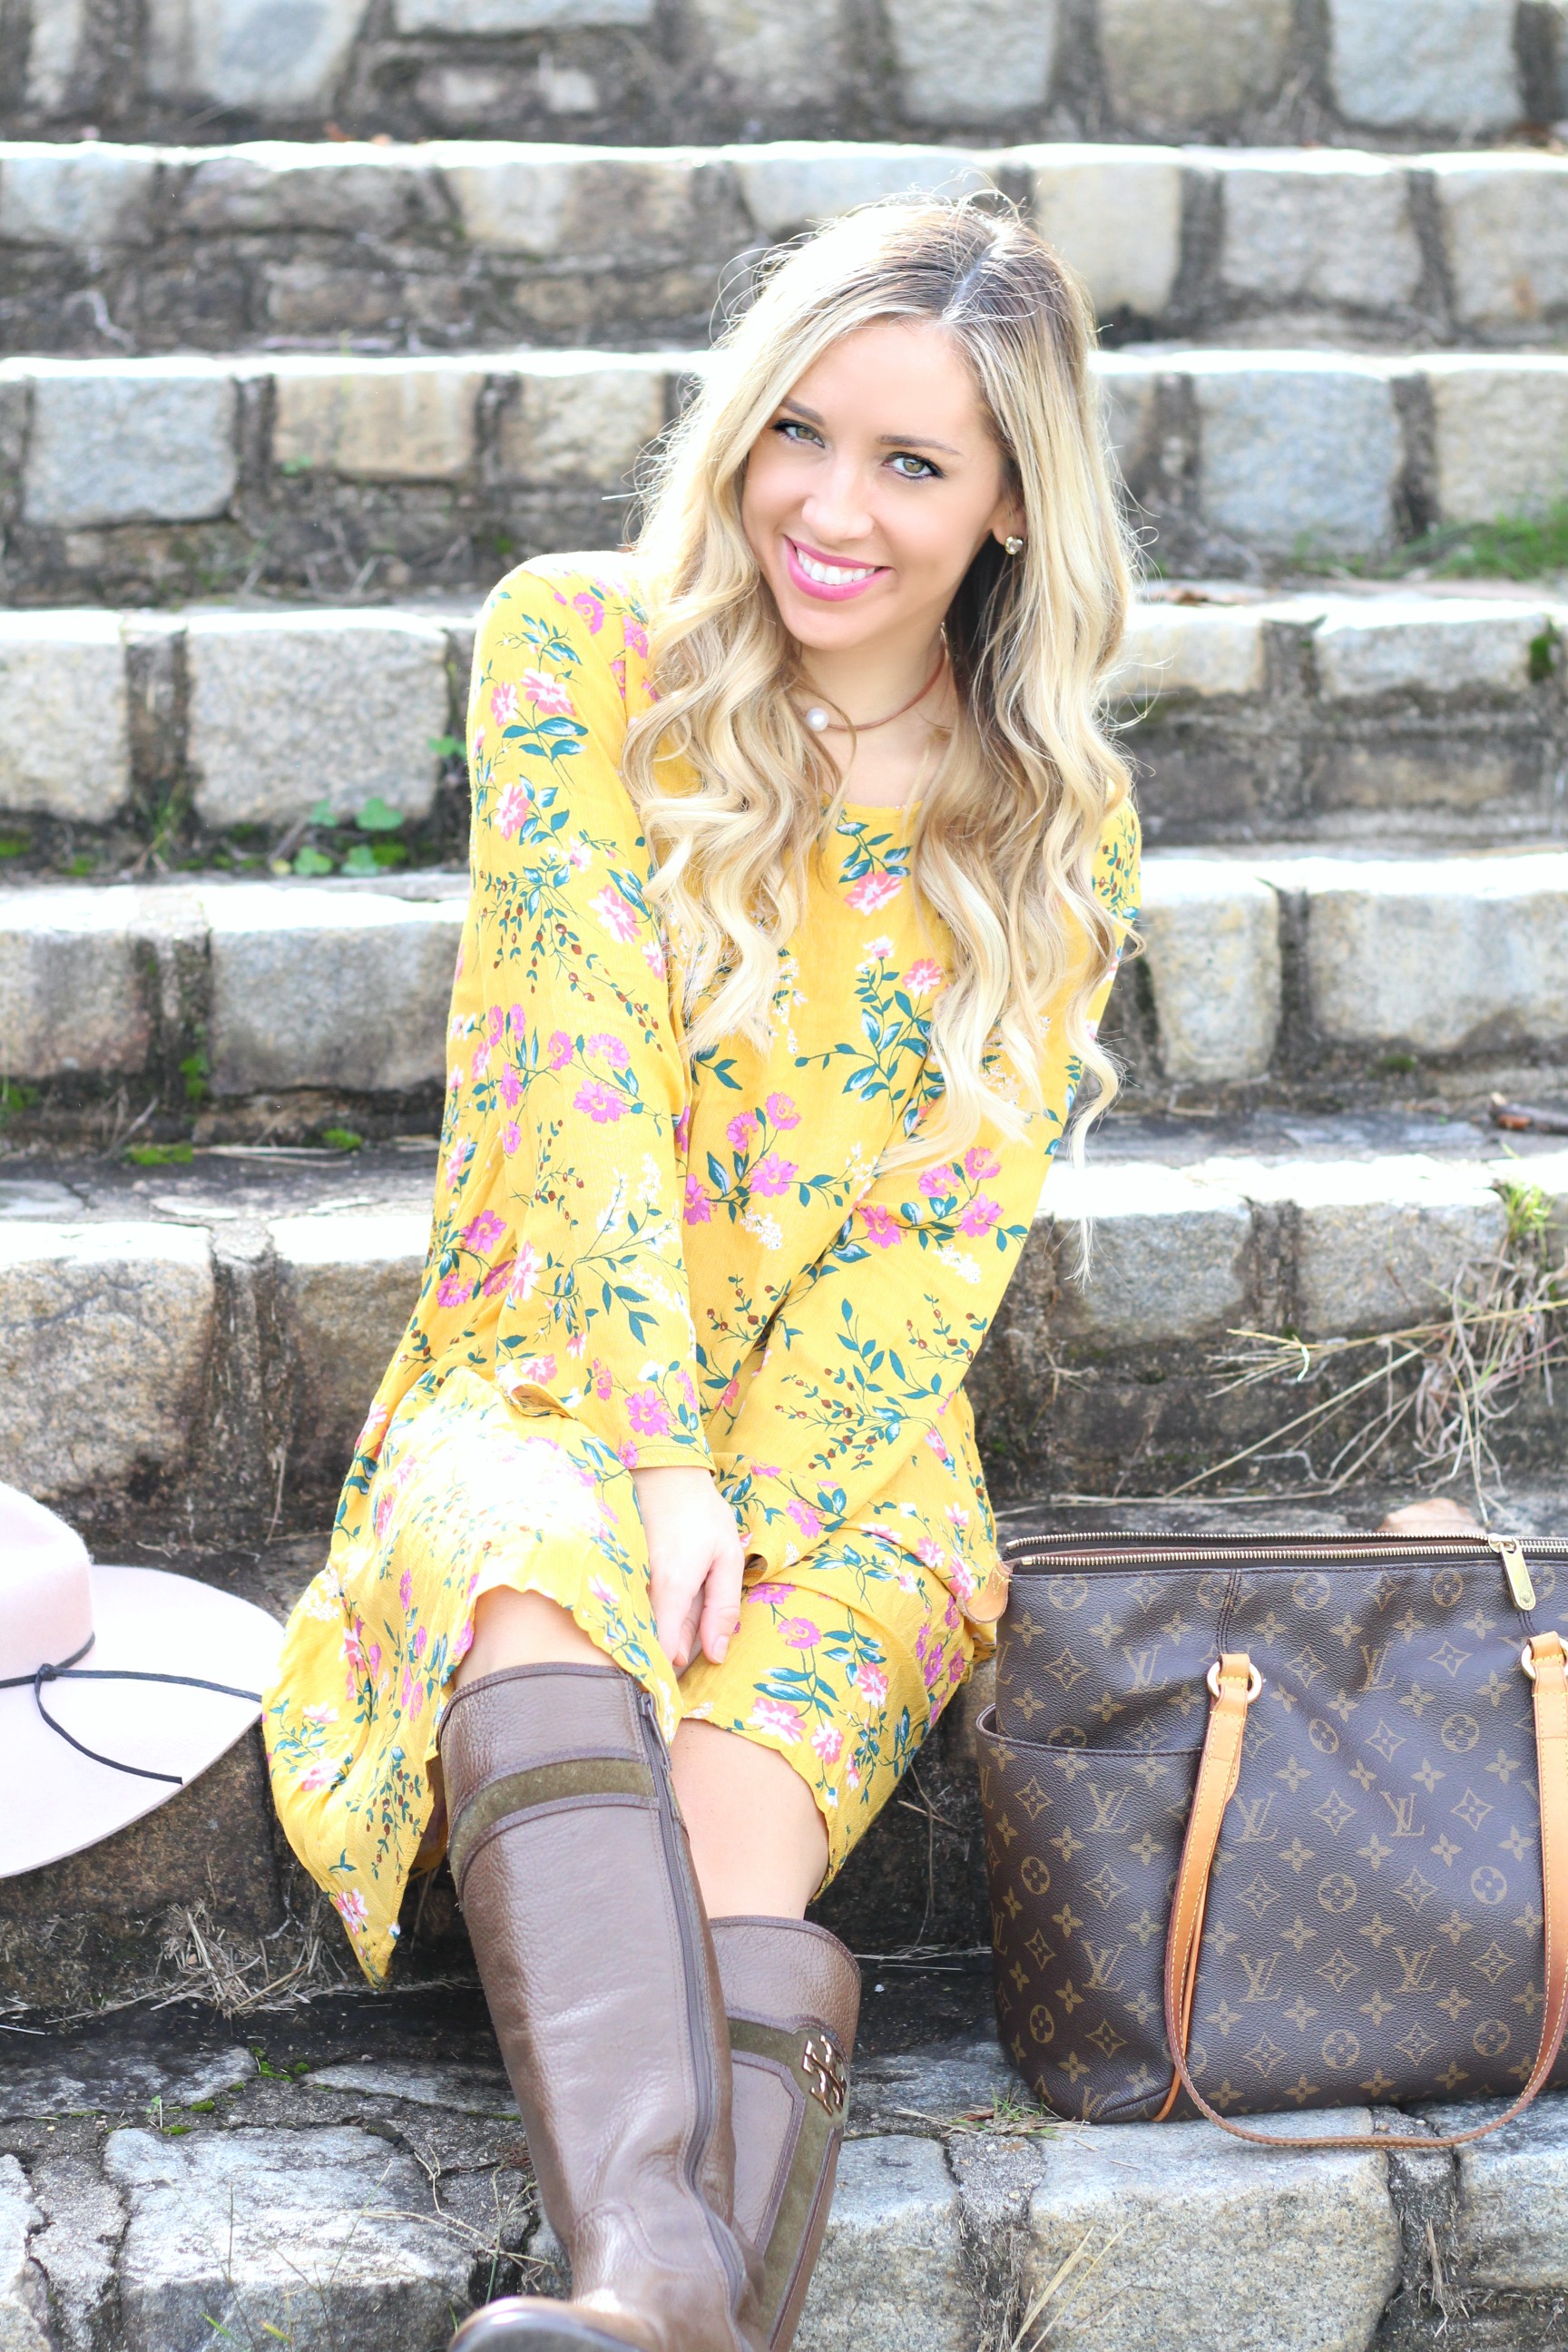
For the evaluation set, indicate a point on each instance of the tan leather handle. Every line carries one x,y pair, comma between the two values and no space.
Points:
1235,1683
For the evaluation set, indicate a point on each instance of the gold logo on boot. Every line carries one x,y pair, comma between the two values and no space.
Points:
824,2071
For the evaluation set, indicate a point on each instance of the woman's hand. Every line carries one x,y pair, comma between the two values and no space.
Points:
695,1562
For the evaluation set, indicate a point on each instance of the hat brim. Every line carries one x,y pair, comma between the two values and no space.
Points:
146,1620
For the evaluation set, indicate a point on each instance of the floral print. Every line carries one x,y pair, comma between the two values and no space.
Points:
630,1266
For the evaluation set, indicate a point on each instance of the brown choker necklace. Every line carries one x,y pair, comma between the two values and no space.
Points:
819,717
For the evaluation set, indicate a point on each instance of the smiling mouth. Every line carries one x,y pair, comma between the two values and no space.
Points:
821,574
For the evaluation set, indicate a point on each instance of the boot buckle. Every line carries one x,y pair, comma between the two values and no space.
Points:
824,2071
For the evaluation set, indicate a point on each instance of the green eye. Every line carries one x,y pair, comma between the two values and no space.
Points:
927,471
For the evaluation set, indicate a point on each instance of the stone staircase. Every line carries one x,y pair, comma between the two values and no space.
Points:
311,326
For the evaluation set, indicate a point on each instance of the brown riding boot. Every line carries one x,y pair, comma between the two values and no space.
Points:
792,1994
573,1869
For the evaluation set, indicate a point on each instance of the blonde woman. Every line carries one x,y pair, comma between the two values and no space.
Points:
800,865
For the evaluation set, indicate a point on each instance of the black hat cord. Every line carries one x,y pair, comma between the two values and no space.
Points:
68,1671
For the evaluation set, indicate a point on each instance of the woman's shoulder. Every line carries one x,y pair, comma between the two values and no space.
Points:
577,593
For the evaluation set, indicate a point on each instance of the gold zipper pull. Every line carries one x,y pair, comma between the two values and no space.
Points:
1516,1568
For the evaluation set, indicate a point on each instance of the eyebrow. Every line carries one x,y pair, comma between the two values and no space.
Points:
884,440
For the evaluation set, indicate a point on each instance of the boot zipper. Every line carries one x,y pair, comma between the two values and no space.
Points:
696,1996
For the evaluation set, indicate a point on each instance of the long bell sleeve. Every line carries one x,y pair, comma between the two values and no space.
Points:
872,1340
567,1108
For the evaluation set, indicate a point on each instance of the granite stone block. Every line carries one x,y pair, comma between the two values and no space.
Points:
24,2305
376,420
1511,2190
1381,1241
1114,215
973,60
78,197
348,1285
117,441
118,1313
1169,1258
275,57
1324,226
272,185
324,2239
325,988
516,15
290,707
1429,65
1505,235
790,184
1414,644
795,55
1163,2218
892,2276
1212,947
576,423
1439,955
1198,649
1176,66
1296,453
53,54
65,739
1500,434
73,989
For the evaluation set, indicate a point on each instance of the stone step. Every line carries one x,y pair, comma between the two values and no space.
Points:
1397,70
120,250
186,475
336,2184
202,1341
1388,717
277,1006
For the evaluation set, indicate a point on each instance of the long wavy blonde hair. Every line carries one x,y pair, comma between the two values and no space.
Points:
1004,835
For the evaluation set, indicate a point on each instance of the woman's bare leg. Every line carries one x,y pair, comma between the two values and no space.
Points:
757,1839
524,1629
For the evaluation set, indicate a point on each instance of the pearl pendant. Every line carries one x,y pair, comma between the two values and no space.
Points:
818,719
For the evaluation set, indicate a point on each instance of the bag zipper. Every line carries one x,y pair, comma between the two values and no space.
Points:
1342,1550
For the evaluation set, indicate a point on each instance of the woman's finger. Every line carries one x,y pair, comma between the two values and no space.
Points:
676,1602
721,1598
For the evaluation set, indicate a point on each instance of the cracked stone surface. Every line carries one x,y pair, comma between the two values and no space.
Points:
22,2309
329,2238
84,2222
357,2180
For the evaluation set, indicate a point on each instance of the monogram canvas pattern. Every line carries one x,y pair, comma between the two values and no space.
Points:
1374,1925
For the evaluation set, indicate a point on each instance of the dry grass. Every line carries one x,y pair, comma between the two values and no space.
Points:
1035,2326
1445,1385
236,1974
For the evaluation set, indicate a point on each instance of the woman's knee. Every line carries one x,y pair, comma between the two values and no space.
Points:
758,1843
524,1629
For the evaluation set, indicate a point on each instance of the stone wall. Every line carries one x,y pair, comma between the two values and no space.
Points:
1269,70
114,251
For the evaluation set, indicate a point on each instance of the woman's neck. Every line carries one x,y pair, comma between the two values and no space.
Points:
864,683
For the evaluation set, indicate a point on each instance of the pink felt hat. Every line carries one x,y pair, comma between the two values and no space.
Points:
117,1685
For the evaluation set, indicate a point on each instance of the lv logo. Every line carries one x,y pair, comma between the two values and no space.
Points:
1142,1665
1102,1965
1405,1824
1253,1812
1260,1984
1414,1969
1372,1658
1110,1810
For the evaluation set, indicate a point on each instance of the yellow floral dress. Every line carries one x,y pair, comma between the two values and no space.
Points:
630,1266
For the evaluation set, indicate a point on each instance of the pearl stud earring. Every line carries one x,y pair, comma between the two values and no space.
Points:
1012,546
